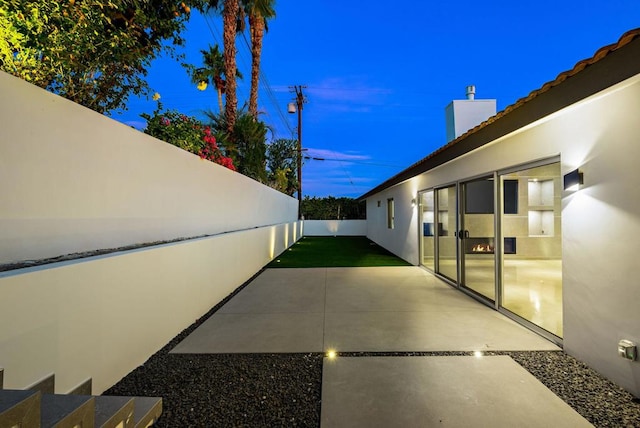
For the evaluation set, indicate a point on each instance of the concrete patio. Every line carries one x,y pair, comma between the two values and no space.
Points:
363,312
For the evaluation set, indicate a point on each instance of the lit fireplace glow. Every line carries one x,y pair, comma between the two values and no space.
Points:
482,248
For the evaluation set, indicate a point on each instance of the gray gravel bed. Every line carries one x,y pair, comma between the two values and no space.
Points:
285,390
249,390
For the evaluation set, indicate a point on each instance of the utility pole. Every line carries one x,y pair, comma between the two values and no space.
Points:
299,101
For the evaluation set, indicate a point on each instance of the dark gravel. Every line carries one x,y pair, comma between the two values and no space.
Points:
251,390
284,390
229,390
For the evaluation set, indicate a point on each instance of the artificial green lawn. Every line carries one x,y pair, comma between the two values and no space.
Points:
339,251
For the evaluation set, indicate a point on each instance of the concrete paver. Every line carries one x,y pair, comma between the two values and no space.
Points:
395,309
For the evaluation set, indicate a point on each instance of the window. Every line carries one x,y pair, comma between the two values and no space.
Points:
390,213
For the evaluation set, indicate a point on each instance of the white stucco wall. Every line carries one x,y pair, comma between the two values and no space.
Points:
73,180
335,227
402,240
101,317
601,136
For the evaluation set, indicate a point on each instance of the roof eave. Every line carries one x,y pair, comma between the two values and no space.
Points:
610,65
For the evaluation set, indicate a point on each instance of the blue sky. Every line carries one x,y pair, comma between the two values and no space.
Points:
379,74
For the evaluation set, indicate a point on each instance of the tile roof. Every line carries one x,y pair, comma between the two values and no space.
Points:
600,54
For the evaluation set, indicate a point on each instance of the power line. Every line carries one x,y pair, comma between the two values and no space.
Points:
362,162
264,84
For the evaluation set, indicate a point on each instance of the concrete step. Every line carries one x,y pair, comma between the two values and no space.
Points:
19,408
67,411
31,408
83,388
114,412
147,411
46,385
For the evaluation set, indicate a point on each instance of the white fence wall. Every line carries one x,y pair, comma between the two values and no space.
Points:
335,227
73,180
103,316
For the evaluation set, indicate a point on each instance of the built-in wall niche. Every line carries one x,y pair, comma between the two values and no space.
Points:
541,223
540,194
541,202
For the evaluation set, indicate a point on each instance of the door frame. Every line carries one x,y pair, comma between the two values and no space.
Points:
498,241
497,238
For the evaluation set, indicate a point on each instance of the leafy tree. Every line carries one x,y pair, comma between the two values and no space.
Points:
15,57
186,132
282,165
93,52
331,208
250,136
258,12
246,145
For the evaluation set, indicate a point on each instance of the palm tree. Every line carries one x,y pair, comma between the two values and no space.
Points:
258,12
211,73
229,17
230,13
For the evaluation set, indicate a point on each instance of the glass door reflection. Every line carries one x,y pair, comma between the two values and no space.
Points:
532,259
477,236
428,229
446,214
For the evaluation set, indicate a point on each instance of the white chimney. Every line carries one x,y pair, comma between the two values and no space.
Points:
471,92
462,115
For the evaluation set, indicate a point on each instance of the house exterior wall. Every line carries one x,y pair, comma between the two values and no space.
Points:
600,135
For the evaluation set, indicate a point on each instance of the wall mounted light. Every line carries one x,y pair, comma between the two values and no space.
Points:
413,202
573,180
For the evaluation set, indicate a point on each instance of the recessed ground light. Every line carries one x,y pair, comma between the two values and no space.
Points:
478,354
277,261
332,354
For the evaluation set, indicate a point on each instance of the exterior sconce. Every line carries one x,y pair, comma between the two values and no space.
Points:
413,202
573,180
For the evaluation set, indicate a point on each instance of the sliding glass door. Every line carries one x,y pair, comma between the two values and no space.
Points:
477,236
446,235
427,229
498,237
532,256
